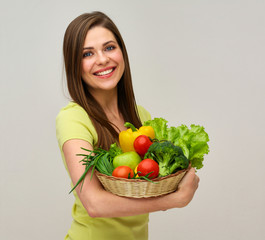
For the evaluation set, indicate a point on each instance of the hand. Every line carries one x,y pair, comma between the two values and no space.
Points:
186,190
188,186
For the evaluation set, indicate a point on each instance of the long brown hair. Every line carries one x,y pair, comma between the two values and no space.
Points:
73,53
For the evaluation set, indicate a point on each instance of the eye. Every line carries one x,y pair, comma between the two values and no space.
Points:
87,54
109,48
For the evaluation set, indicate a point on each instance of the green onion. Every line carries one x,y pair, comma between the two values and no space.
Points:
96,159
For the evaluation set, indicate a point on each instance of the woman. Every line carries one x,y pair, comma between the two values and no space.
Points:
99,82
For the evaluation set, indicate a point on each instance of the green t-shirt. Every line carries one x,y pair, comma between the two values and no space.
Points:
72,122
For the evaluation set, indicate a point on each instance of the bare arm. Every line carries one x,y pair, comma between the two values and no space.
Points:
100,203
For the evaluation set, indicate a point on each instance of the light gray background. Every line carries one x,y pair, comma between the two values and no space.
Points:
194,61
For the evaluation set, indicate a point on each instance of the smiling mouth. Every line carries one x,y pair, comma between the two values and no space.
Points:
104,72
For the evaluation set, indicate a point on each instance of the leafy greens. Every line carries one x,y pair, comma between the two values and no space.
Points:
193,141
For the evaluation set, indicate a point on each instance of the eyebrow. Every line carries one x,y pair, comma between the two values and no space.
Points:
104,44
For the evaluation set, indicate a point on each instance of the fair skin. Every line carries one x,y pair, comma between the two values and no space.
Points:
103,67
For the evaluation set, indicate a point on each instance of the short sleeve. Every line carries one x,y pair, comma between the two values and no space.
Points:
72,122
143,114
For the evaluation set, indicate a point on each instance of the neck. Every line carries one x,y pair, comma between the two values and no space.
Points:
108,100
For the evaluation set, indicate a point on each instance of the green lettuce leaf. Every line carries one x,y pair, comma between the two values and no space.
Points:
114,150
160,127
193,141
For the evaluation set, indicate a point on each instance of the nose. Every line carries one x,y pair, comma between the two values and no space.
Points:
102,58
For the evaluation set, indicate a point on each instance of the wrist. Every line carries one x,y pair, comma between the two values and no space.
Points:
164,203
168,201
176,199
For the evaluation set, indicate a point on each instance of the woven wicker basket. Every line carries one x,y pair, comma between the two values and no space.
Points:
138,188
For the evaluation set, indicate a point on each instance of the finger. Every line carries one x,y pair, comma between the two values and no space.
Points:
189,177
197,178
190,174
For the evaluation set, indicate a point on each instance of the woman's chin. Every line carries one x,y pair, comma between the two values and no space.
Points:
110,87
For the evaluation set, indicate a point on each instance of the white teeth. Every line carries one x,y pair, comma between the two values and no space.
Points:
104,72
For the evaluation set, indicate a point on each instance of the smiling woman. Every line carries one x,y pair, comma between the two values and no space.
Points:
99,82
89,41
102,64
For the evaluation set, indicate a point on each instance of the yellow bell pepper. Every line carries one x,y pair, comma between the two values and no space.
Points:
135,170
127,137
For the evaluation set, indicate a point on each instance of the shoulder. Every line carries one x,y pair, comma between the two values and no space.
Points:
143,114
73,121
70,109
72,113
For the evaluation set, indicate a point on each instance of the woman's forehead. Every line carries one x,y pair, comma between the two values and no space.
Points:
98,36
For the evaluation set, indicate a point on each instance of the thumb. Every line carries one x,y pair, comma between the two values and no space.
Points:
189,176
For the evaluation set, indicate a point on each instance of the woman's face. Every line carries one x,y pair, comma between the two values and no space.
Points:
102,63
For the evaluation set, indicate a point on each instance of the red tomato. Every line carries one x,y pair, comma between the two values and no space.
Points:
141,144
122,172
146,166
